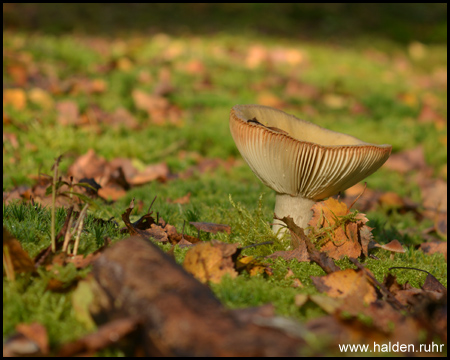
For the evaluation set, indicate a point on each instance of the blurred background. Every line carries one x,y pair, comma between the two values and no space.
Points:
155,82
338,22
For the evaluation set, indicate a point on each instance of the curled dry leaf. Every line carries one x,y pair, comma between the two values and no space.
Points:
339,232
346,284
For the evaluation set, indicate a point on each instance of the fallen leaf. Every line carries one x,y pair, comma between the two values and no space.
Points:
111,192
18,73
164,85
433,284
181,200
211,227
20,260
434,197
251,265
105,336
302,91
391,200
10,138
210,261
298,238
346,283
300,254
256,55
407,161
434,247
68,113
30,340
337,231
15,98
150,173
121,117
90,165
329,304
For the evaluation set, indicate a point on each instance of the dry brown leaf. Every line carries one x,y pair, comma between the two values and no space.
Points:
210,261
150,173
300,254
338,236
21,261
194,67
367,201
346,284
10,138
408,160
391,200
181,200
105,336
300,90
123,118
126,165
18,73
111,192
329,304
90,165
434,197
211,227
251,265
164,85
68,112
30,340
434,247
256,55
343,243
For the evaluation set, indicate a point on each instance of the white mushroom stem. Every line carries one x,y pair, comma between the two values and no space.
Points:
297,207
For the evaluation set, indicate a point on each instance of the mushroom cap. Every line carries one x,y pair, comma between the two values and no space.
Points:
296,157
393,246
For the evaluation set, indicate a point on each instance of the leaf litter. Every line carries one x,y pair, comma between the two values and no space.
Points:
339,229
335,231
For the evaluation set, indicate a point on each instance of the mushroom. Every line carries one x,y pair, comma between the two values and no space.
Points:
394,247
301,161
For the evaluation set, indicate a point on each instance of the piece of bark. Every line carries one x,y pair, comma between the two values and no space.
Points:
180,316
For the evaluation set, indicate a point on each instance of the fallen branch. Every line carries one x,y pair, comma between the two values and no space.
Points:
179,315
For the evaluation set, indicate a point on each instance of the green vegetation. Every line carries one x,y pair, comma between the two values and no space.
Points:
374,89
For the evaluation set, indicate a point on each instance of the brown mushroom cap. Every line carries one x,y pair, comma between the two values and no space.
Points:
298,158
393,246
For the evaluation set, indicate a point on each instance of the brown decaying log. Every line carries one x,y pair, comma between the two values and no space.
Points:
180,316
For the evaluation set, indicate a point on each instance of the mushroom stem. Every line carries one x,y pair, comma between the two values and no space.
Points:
297,207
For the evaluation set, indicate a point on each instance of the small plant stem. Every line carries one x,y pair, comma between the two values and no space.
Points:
55,176
68,235
77,239
78,227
